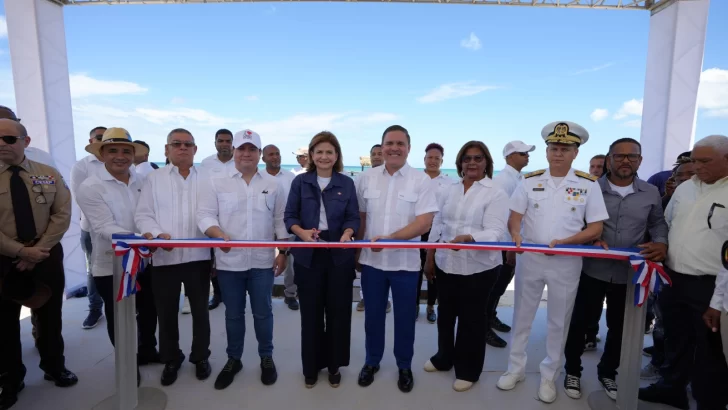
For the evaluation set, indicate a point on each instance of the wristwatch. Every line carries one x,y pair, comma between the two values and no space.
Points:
286,252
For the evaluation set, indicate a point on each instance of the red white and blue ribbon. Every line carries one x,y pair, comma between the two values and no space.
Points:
649,276
133,261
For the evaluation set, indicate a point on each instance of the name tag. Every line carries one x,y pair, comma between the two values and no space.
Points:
539,189
47,182
43,179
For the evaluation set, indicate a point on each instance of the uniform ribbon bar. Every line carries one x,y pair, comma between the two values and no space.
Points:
649,276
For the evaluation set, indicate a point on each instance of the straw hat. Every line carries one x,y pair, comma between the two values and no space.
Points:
116,136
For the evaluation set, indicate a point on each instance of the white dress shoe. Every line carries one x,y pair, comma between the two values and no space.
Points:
508,381
429,367
547,391
462,385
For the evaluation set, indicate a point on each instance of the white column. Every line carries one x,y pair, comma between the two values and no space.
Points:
674,63
37,39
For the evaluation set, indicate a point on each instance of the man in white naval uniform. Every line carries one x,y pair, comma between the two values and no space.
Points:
553,204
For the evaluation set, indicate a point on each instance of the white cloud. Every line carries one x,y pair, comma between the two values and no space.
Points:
251,98
713,92
633,123
472,42
84,86
593,69
599,114
3,27
454,90
629,108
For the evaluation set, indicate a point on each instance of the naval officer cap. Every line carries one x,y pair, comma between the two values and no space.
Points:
564,132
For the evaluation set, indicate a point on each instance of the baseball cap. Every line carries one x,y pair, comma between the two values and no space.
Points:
517,146
246,137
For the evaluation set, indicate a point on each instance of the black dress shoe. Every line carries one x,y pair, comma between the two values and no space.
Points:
268,372
169,374
203,370
227,375
146,358
214,302
492,339
292,303
499,326
9,394
63,378
335,379
366,375
662,395
406,381
310,382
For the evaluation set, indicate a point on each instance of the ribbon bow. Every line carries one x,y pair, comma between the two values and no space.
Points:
649,277
132,262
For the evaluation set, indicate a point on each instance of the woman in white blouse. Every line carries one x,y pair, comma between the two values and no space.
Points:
473,209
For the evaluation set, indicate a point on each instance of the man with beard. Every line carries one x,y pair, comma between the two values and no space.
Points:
217,165
272,159
635,209
516,154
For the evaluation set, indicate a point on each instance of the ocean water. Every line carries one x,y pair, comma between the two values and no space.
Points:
354,170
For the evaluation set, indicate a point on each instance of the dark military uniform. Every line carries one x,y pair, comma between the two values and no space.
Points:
42,287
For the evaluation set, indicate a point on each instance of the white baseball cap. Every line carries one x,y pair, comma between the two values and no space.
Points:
246,137
517,146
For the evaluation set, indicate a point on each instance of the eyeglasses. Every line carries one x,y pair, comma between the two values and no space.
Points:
99,137
523,154
631,157
470,158
301,156
11,139
178,144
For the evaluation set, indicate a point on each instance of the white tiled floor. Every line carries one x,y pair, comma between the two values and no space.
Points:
89,354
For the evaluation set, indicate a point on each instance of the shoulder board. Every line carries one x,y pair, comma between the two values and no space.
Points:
582,174
535,173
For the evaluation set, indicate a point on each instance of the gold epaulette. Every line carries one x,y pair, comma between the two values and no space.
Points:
535,173
585,175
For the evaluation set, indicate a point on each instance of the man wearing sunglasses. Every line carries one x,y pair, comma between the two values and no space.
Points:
635,210
35,213
551,207
698,219
167,209
89,166
142,166
516,154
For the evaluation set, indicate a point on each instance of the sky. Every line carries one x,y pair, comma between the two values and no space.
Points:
448,73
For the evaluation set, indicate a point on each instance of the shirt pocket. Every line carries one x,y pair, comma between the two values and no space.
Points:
575,208
113,203
49,192
266,202
406,203
227,202
719,218
537,202
372,197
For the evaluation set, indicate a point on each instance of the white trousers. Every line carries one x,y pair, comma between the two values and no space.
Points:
534,271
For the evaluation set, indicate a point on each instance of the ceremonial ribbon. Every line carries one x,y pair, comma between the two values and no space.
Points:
649,276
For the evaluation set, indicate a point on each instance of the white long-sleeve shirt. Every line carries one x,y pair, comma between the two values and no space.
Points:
86,167
109,206
168,204
243,212
719,301
698,219
216,168
481,212
508,180
392,202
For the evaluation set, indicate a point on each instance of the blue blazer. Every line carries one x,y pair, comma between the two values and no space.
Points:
342,212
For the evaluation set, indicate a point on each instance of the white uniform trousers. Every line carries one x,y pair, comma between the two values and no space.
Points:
534,271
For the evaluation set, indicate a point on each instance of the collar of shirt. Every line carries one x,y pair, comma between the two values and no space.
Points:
546,176
702,187
637,185
512,171
234,173
402,171
104,175
174,169
312,178
24,165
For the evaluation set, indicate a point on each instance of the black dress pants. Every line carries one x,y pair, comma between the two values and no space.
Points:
146,311
588,306
48,318
463,300
166,285
324,294
692,351
431,284
505,275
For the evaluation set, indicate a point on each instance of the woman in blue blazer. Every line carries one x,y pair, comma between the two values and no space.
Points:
322,206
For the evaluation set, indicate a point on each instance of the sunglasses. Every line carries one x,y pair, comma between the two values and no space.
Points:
98,137
470,158
11,139
522,154
178,144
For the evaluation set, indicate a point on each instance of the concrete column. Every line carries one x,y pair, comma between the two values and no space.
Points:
37,39
674,63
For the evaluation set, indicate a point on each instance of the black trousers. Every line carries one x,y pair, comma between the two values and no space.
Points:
587,306
215,288
658,334
505,275
431,284
324,294
691,349
166,285
48,318
463,300
146,311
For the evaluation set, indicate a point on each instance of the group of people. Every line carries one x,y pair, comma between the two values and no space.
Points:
229,198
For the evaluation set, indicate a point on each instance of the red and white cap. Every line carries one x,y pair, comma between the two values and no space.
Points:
246,137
